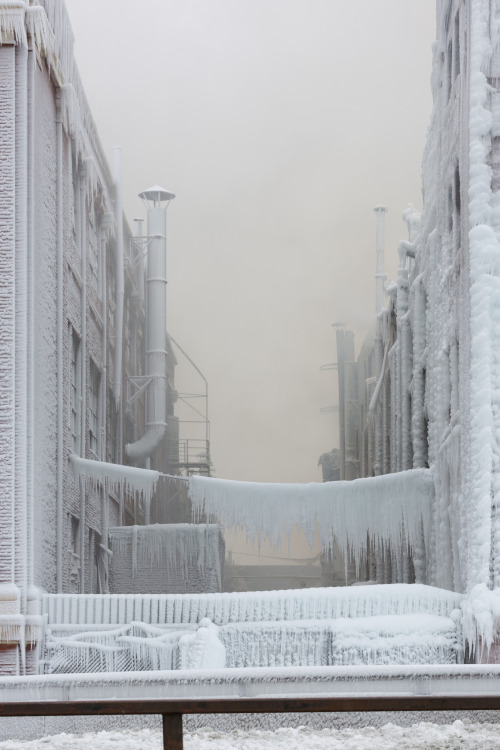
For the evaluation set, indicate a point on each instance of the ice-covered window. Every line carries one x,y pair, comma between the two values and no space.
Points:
75,390
94,390
75,180
95,254
111,291
93,573
74,551
456,47
111,431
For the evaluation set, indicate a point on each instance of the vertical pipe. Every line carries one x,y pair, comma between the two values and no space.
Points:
60,334
341,381
31,314
103,395
379,274
120,287
120,284
378,412
83,364
21,323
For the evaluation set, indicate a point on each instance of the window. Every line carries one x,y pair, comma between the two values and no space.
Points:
94,390
111,431
74,566
75,390
76,204
94,259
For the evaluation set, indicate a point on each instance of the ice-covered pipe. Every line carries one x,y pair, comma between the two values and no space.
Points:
120,284
83,375
31,315
379,275
157,200
60,355
21,325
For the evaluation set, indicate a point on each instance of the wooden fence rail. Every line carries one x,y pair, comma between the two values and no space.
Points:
172,710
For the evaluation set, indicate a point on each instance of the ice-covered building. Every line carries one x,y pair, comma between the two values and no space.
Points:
75,366
435,387
86,366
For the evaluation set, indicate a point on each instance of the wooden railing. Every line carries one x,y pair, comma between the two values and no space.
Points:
172,710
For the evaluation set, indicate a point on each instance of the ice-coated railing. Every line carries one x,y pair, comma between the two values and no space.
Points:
309,604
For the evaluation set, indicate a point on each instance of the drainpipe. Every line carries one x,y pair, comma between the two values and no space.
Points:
60,374
83,358
31,313
120,285
157,201
22,325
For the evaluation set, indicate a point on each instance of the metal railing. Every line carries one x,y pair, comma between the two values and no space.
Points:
172,710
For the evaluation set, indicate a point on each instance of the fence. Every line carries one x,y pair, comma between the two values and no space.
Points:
173,710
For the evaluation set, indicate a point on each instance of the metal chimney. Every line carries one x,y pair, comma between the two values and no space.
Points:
156,200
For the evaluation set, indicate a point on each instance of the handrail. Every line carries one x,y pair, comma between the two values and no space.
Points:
173,709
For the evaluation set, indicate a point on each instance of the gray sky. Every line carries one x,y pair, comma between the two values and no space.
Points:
279,124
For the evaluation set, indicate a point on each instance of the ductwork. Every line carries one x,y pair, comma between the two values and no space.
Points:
157,200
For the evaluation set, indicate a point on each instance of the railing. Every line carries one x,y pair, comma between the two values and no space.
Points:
173,710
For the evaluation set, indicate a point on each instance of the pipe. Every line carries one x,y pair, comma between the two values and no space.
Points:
22,325
83,361
379,274
60,371
119,277
104,380
156,354
31,314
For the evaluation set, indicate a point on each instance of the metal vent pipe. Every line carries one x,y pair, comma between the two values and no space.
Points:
157,200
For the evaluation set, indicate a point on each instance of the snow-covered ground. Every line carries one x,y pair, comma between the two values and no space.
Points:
460,734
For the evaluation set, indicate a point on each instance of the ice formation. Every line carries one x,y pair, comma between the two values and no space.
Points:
390,639
116,478
185,550
390,511
136,646
319,627
250,606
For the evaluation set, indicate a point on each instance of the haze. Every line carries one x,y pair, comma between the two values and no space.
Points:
279,124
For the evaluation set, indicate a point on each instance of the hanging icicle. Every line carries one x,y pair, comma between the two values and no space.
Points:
392,508
12,21
116,478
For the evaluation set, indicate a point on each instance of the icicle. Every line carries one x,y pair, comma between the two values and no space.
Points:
40,32
116,477
385,508
182,548
12,21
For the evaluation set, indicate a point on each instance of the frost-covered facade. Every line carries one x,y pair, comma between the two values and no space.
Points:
420,419
437,394
79,387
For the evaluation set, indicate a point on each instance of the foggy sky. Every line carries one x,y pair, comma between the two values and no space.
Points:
279,124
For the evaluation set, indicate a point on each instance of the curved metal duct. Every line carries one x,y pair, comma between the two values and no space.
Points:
157,200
